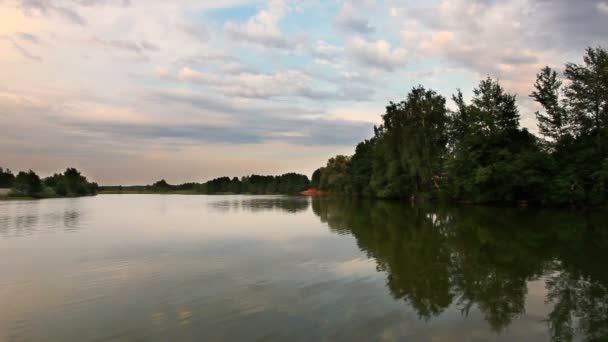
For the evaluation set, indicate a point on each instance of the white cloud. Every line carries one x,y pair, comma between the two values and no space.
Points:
262,28
378,54
348,19
325,51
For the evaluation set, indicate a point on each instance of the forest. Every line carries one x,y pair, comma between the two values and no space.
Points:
289,183
478,153
70,183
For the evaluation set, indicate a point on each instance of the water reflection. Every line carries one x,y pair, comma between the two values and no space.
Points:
260,204
18,219
147,267
437,257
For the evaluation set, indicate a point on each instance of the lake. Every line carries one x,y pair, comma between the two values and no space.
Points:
210,268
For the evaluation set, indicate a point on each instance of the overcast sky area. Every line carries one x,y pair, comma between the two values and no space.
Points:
131,91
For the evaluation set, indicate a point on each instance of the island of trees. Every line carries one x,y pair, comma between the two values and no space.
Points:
289,183
478,152
70,183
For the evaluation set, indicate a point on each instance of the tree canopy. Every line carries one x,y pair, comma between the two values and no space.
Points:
70,183
479,153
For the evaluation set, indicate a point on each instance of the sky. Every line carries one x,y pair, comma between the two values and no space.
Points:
132,91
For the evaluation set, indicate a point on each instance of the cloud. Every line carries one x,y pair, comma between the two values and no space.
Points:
378,54
126,45
31,38
314,132
50,7
262,28
349,20
287,84
486,37
12,39
205,74
25,53
198,32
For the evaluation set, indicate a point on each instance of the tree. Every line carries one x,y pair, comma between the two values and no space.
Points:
335,176
6,178
577,125
316,177
162,186
360,168
479,153
498,109
587,94
554,123
27,184
70,183
491,159
411,145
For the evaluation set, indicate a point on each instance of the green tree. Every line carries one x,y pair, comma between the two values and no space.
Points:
360,168
335,175
411,145
6,178
587,94
316,177
27,184
553,123
491,159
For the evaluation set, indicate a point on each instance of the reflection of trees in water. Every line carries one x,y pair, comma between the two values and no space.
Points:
26,219
579,285
71,220
286,204
484,257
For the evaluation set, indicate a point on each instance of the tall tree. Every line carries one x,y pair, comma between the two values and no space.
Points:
498,108
413,143
554,122
491,159
587,94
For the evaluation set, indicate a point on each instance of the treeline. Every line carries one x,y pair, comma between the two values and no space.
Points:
289,183
71,183
478,152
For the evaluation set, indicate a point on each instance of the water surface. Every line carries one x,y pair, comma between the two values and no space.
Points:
154,267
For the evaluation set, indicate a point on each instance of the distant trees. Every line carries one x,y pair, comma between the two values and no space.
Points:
289,183
71,184
27,184
478,152
6,178
68,184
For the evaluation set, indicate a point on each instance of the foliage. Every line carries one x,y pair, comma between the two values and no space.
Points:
478,153
6,178
289,183
27,184
71,183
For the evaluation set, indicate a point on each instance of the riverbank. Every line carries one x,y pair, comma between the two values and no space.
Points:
147,192
185,192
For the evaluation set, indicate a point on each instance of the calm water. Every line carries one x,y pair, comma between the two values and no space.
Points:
149,267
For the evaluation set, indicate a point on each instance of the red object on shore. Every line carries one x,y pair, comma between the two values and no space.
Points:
312,192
